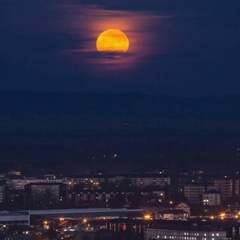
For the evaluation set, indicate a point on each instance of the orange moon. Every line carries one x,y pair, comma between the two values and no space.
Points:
112,43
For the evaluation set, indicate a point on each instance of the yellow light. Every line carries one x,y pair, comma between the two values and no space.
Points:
46,224
84,220
61,219
222,215
212,217
171,202
147,216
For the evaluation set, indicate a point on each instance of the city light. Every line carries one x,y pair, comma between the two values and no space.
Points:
222,215
84,220
147,216
46,225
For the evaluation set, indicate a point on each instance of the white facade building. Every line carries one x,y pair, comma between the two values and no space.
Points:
19,184
211,198
184,234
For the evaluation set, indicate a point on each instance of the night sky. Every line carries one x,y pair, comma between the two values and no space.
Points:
177,47
173,95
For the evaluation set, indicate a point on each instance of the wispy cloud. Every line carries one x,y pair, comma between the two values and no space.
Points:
86,22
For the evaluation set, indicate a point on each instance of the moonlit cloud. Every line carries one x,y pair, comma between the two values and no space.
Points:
88,21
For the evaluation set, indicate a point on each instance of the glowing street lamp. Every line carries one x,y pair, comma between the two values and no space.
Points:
84,220
147,217
222,215
46,225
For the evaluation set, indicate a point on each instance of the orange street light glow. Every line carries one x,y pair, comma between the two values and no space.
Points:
147,216
222,215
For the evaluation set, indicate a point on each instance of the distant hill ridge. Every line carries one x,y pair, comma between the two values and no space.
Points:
144,129
226,107
117,114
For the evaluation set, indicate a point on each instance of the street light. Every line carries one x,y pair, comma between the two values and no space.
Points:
222,215
147,217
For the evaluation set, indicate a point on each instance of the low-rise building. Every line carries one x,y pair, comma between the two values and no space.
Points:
20,183
172,214
184,207
188,230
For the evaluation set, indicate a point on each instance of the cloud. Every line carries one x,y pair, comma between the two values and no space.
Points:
88,21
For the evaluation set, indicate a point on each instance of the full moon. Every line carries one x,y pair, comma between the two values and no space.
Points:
112,43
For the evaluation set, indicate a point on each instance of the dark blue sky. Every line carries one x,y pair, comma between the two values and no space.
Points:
177,47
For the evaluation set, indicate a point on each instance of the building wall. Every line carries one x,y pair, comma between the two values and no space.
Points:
57,192
184,207
237,188
225,186
153,233
194,193
172,216
37,190
140,181
2,193
211,199
150,181
19,184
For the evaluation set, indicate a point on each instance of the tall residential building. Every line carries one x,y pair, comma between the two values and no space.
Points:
2,191
194,192
211,198
224,186
52,192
